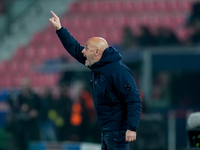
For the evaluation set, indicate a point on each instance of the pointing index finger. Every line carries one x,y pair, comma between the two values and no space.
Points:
54,14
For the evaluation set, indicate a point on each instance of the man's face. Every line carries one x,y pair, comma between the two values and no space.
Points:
89,53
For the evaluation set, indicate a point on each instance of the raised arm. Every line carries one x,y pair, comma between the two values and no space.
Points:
69,42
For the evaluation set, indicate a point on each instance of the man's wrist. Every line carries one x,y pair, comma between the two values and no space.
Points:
58,28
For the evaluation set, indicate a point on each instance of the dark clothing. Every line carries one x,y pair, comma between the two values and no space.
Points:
31,99
146,38
47,127
128,39
115,95
195,38
62,108
25,127
166,37
114,141
23,117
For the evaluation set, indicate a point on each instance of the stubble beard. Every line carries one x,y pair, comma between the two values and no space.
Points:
87,63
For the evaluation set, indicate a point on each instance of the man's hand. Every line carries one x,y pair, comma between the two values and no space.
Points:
55,21
130,136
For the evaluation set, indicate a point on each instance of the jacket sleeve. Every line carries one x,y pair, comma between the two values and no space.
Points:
71,44
125,84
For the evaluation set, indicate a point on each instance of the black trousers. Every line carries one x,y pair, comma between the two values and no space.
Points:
114,141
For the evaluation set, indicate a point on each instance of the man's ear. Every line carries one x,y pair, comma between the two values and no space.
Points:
97,52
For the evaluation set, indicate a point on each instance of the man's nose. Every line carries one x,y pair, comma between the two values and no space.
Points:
83,51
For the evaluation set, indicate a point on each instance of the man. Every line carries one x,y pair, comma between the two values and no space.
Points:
115,95
27,115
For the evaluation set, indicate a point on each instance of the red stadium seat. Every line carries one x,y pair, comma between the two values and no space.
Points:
127,6
30,52
14,66
114,37
67,22
109,22
16,80
185,5
53,52
99,7
20,53
149,6
94,7
4,66
172,5
165,21
97,22
119,21
38,80
138,6
37,39
117,6
51,80
74,7
77,22
182,34
26,66
1,81
87,23
133,21
84,7
161,5
144,20
179,20
149,20
42,53
43,80
6,81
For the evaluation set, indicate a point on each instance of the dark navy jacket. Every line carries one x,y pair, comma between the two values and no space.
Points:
115,95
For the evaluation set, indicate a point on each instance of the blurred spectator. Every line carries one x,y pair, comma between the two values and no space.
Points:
195,14
128,39
26,108
82,112
11,119
161,89
60,112
47,128
193,23
195,37
66,77
146,38
166,37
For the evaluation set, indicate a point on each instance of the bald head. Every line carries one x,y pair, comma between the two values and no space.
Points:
98,42
25,82
94,49
25,86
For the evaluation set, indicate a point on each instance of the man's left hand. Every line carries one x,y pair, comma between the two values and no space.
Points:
130,136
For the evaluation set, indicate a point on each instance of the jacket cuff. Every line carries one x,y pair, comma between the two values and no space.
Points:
132,128
57,31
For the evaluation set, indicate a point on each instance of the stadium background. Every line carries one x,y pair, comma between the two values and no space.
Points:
158,39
